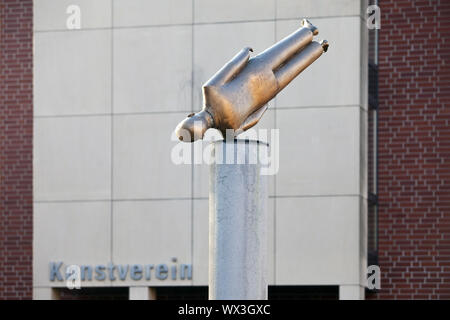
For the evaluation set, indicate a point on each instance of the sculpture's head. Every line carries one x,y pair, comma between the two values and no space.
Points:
194,126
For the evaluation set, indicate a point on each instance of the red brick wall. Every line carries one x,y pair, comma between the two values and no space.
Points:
16,162
414,149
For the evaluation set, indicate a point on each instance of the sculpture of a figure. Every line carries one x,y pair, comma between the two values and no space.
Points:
236,96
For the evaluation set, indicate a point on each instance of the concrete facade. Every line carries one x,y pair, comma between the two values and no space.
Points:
108,96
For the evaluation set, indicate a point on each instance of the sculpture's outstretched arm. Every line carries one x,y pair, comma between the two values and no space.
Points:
299,62
231,69
283,50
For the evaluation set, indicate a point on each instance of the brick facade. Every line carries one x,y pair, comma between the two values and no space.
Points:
16,160
414,150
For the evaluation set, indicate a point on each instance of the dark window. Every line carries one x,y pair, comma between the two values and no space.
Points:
275,293
303,293
181,293
108,293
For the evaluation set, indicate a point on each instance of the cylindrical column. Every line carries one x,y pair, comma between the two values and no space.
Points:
237,221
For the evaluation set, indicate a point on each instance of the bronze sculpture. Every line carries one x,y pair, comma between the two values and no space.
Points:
236,96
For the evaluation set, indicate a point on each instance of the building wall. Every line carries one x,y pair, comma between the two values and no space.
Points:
108,96
414,150
16,129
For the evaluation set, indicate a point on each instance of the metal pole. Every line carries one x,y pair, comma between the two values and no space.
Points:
237,222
